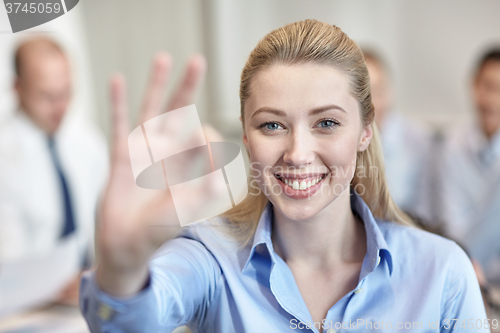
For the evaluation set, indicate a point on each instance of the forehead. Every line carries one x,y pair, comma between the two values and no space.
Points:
47,70
298,87
490,70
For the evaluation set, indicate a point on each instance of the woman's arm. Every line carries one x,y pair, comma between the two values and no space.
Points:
182,281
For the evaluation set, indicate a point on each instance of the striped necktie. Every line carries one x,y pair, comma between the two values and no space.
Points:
69,221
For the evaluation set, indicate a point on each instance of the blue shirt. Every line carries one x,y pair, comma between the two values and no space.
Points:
409,277
469,193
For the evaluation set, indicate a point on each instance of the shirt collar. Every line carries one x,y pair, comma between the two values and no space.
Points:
478,142
262,234
376,244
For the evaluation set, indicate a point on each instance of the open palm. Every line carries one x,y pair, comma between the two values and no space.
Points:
134,221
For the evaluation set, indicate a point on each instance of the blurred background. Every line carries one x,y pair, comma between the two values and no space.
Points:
431,46
430,49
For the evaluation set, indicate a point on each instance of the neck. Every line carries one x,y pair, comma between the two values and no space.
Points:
333,236
490,134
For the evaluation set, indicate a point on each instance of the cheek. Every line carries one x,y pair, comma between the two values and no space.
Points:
340,158
263,155
39,106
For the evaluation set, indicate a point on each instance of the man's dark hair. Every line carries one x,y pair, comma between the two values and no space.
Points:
492,54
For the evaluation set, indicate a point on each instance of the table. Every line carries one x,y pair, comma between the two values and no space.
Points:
51,319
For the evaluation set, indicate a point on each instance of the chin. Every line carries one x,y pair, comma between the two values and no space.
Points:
302,209
296,212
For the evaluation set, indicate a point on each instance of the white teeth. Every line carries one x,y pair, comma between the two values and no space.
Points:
302,185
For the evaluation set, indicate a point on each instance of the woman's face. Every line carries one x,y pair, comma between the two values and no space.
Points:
302,131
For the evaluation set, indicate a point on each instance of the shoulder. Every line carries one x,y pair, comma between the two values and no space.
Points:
9,141
207,241
7,125
11,131
215,235
410,244
437,267
81,132
16,141
456,138
80,137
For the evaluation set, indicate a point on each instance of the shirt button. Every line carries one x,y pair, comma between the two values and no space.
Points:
331,330
104,312
378,260
357,291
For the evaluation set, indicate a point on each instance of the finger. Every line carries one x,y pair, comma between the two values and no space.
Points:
193,77
119,116
160,70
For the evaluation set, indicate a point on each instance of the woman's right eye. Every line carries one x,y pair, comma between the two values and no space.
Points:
270,126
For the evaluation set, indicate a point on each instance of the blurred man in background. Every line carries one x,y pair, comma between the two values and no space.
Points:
417,175
406,145
52,170
470,172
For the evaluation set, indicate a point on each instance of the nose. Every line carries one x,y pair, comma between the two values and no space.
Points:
299,149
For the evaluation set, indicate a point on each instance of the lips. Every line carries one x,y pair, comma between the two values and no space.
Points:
300,187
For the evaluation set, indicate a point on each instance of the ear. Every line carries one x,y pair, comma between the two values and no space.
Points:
366,138
17,86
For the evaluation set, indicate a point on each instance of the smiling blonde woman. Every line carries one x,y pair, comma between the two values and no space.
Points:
317,246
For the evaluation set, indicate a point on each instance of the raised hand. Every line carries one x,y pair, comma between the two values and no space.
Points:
134,221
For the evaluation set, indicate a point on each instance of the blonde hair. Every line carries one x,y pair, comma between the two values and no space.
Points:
318,42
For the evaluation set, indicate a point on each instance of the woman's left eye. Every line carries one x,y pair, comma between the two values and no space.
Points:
327,123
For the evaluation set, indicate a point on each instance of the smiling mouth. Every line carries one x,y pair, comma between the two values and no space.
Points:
300,184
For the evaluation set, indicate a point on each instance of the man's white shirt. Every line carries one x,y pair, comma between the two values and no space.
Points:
31,201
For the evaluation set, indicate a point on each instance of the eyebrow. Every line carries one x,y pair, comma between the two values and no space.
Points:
311,112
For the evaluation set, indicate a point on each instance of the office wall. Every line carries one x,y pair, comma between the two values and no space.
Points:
124,35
